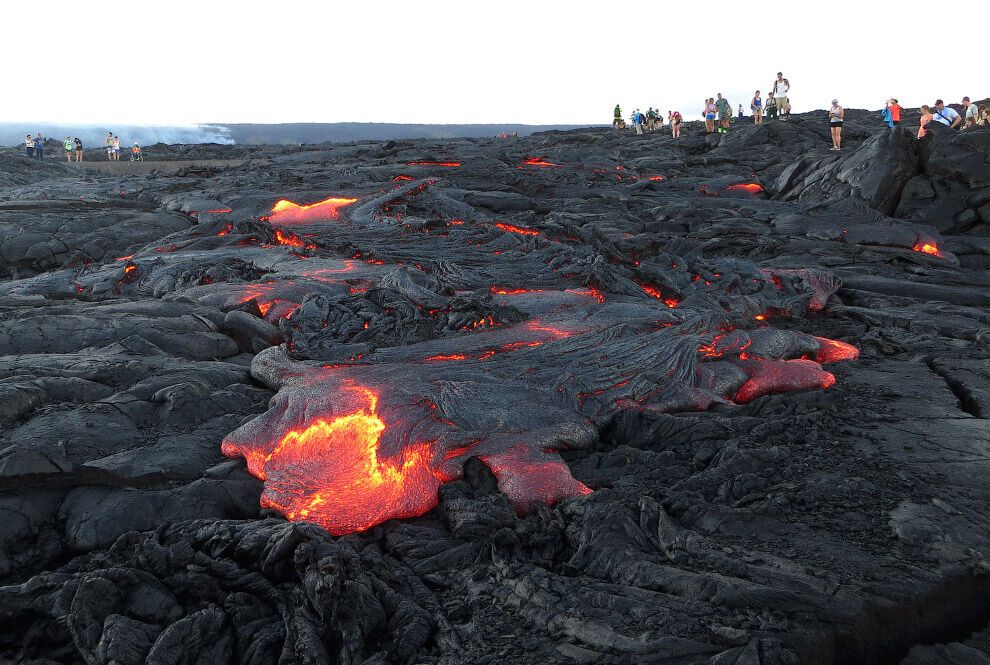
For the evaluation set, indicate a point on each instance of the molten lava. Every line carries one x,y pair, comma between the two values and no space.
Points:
512,228
349,485
287,212
928,247
291,239
751,187
539,161
832,350
433,163
653,291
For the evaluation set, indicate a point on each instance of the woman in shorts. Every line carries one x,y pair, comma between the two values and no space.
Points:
757,106
836,114
675,123
710,114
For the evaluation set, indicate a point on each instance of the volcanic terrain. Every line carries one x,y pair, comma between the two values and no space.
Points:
579,397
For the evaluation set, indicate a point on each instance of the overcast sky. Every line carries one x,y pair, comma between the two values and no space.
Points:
532,61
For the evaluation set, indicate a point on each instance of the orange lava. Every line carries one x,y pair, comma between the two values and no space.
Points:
832,350
287,212
657,178
125,258
401,178
454,356
349,486
512,228
129,268
432,163
498,291
751,187
658,294
928,248
539,161
291,239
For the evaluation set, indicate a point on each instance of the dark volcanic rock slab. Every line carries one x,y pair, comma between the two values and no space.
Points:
570,398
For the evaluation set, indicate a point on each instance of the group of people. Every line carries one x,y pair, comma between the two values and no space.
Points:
34,147
717,112
652,120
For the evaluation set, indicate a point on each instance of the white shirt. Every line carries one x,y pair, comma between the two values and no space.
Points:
972,112
946,116
781,88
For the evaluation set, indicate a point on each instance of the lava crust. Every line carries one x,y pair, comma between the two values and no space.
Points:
584,396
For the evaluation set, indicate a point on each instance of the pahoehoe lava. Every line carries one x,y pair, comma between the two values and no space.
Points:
583,396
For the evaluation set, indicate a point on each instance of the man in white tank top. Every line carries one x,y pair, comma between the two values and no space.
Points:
781,88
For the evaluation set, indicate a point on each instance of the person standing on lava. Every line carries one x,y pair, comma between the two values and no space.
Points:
109,144
781,88
79,149
675,124
756,105
29,146
946,115
836,114
724,113
970,113
68,145
771,107
616,117
926,117
710,113
39,147
116,148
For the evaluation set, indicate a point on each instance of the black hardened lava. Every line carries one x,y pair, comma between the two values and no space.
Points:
584,396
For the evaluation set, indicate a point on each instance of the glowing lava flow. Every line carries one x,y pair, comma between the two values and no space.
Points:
432,163
928,247
291,239
539,161
512,228
287,212
751,187
658,294
349,487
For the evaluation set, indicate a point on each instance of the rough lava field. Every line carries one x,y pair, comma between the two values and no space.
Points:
580,397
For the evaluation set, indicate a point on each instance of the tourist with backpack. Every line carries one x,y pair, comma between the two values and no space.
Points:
67,144
771,107
109,144
781,90
617,117
946,115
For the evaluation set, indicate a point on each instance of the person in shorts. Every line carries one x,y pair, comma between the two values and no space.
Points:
724,109
781,89
756,105
926,117
79,149
710,114
29,146
675,124
836,115
69,147
116,148
109,143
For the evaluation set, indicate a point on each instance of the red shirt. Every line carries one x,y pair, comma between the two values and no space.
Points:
895,112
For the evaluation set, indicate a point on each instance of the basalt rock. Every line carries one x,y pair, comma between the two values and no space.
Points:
585,396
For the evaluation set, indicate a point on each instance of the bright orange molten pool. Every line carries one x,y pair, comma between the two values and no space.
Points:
348,486
287,212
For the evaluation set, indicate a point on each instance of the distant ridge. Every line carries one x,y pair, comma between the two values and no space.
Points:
339,132
12,133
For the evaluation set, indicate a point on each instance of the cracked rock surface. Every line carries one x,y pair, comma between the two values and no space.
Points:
599,375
